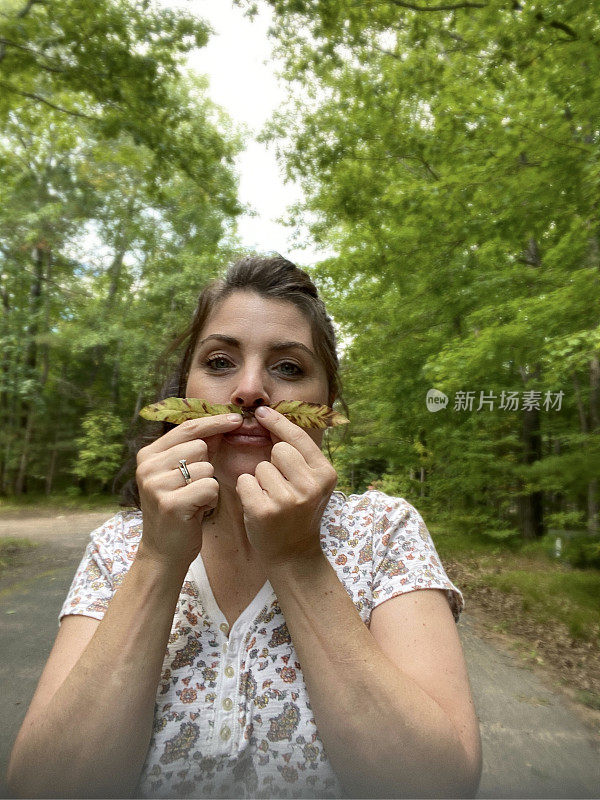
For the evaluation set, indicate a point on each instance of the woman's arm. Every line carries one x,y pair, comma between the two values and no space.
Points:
88,727
392,704
87,730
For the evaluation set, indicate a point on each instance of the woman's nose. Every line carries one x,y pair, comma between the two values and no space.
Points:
251,389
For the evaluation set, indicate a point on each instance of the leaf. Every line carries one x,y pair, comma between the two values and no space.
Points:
309,415
178,409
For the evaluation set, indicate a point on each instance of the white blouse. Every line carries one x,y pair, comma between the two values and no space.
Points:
232,717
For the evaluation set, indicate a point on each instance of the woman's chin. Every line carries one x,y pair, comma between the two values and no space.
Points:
229,470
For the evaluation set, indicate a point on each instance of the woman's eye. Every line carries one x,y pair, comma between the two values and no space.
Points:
218,362
289,369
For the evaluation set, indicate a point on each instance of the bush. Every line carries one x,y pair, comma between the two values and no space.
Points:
394,485
565,520
100,448
582,551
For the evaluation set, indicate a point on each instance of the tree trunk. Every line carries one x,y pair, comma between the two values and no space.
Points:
580,409
115,382
531,506
51,468
31,359
592,504
531,509
557,497
115,271
21,481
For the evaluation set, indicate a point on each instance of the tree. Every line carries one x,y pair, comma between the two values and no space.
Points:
449,154
118,199
100,448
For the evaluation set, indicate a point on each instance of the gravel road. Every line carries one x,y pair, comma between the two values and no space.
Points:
534,745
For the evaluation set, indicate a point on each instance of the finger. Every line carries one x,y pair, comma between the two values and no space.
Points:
198,497
272,481
289,432
168,460
190,430
290,463
250,493
192,452
198,471
171,479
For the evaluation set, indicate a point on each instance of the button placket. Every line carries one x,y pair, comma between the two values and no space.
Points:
229,686
225,727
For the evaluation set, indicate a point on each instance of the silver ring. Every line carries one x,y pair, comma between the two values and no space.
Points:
185,471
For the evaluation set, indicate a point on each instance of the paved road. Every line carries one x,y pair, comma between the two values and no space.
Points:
534,746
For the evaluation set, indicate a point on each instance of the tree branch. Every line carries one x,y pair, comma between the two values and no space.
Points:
561,26
47,102
36,53
26,9
452,7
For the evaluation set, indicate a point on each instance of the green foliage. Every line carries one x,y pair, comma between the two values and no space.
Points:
565,520
100,448
118,200
450,159
582,552
114,68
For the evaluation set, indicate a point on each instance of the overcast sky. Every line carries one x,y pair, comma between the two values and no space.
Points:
237,61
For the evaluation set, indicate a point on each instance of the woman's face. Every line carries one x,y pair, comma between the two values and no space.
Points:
251,351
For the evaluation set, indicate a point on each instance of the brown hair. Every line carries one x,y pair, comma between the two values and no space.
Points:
269,276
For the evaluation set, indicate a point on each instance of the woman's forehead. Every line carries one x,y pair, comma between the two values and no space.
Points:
245,313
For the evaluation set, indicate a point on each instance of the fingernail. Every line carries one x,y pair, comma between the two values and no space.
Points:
262,411
234,417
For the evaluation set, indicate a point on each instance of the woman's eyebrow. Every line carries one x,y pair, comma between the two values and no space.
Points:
289,345
276,346
221,337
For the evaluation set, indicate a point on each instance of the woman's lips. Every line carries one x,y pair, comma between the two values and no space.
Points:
251,435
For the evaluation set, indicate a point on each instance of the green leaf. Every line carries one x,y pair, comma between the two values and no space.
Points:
309,415
179,409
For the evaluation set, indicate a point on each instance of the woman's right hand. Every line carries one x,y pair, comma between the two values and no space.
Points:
173,511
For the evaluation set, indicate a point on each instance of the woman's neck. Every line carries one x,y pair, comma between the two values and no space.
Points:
223,531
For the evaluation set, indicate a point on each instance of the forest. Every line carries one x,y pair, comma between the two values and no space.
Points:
449,154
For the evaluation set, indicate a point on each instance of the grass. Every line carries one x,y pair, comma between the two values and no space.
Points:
70,501
570,597
589,699
12,550
548,589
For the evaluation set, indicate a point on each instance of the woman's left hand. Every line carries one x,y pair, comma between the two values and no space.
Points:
284,500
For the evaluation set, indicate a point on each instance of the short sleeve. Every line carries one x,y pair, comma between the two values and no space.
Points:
404,556
105,562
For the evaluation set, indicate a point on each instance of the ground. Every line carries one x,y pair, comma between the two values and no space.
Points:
569,665
537,742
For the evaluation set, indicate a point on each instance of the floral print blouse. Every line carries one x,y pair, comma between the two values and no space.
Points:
232,716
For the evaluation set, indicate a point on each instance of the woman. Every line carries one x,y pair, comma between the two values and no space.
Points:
299,660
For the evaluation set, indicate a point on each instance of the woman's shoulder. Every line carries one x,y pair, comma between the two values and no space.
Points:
124,525
372,502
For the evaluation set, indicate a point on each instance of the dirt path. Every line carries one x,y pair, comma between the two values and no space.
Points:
535,744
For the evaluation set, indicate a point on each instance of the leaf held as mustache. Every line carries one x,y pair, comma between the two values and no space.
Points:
179,409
